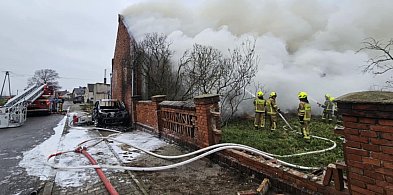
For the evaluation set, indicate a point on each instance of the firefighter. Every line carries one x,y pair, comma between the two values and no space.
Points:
61,102
272,109
259,104
327,109
335,112
304,113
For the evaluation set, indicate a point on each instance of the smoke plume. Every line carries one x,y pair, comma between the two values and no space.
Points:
303,45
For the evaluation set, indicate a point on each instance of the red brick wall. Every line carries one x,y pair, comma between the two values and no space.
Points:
122,63
288,180
204,105
180,137
368,150
147,114
285,179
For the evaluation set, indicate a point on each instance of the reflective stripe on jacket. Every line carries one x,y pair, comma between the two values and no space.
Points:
328,105
304,110
271,106
259,105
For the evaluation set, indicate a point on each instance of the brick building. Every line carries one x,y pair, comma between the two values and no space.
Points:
126,85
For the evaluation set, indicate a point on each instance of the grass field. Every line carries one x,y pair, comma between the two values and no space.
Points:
284,142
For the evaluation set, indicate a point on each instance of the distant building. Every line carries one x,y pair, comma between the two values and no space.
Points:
96,92
78,94
89,93
101,91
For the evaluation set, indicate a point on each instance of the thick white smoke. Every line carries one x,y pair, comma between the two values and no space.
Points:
304,45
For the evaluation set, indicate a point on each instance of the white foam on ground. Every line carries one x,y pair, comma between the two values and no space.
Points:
71,177
34,160
141,139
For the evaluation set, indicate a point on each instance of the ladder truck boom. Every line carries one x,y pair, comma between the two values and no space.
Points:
14,112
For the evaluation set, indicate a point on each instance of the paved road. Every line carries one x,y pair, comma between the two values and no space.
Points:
13,142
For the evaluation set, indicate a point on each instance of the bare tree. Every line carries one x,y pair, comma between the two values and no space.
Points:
48,76
381,61
205,69
202,70
153,54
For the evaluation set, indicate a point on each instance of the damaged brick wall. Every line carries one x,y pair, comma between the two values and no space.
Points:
192,124
123,67
368,150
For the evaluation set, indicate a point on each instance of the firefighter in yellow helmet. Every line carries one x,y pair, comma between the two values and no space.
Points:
304,113
327,108
259,104
335,112
272,109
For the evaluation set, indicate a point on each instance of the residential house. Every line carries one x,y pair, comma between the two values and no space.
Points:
78,93
89,93
101,91
96,92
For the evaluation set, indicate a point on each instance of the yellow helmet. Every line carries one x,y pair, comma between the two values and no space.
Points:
302,95
273,94
327,96
260,93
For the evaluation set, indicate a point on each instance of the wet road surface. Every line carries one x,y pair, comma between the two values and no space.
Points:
15,141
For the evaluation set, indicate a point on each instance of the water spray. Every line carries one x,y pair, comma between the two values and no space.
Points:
250,93
312,99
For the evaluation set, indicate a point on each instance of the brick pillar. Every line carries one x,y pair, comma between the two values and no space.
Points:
204,104
133,112
368,149
157,99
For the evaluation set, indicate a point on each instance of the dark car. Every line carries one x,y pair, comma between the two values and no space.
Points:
78,99
110,112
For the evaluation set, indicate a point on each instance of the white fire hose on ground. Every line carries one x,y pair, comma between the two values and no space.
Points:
207,151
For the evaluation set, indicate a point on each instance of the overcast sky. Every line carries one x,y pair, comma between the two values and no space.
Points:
303,45
75,38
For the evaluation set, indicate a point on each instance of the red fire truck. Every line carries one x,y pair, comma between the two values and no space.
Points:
42,105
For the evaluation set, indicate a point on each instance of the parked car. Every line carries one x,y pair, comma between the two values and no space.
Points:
109,112
78,99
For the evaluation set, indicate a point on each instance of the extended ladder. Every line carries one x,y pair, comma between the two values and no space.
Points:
13,113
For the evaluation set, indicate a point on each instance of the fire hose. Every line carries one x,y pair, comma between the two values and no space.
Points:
100,173
207,151
210,150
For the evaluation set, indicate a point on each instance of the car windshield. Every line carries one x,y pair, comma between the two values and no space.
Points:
110,105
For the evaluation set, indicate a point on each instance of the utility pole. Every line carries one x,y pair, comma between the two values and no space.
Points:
7,74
